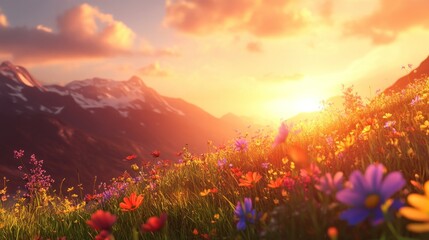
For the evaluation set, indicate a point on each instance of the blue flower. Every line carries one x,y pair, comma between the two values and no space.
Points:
245,214
368,194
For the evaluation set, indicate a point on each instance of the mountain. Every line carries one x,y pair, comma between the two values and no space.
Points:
87,127
421,71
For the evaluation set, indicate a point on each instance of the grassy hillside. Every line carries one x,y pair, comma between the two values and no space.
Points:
303,182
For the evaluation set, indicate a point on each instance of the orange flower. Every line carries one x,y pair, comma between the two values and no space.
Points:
131,203
249,179
276,183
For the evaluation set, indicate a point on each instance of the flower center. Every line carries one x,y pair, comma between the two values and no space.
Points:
372,201
249,216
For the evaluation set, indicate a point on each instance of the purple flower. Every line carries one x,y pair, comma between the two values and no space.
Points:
265,165
282,135
244,213
389,124
329,184
241,145
221,163
415,100
368,193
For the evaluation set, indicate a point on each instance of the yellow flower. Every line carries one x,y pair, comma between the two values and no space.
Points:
387,115
418,211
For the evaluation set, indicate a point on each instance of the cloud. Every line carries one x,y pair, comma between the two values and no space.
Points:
43,28
269,18
3,19
254,47
84,32
153,70
391,18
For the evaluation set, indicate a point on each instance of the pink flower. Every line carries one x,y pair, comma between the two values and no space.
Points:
282,135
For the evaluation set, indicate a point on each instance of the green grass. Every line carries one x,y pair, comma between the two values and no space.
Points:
335,141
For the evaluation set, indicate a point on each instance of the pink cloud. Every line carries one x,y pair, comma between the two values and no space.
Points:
255,47
84,32
3,20
390,19
271,18
153,70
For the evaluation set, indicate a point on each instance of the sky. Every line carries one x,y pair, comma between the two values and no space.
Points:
268,59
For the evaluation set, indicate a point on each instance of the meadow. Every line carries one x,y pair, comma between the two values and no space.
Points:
358,172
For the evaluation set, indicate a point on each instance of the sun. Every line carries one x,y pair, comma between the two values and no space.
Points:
286,108
308,104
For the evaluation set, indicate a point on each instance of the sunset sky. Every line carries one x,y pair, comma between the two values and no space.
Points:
259,58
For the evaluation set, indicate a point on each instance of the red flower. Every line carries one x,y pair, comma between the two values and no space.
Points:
104,235
101,220
250,179
130,157
154,223
156,153
131,203
236,171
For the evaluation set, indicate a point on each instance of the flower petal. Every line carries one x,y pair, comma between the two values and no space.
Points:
355,215
241,225
351,197
426,187
391,184
373,176
413,214
377,216
418,227
358,182
419,201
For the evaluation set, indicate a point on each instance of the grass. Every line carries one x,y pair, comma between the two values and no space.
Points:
199,193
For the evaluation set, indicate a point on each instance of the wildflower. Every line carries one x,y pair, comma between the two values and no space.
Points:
249,179
332,233
244,213
104,235
415,100
329,184
276,183
241,145
206,192
154,224
155,153
265,165
418,211
368,193
282,135
221,163
130,157
389,124
131,203
101,220
387,115
236,171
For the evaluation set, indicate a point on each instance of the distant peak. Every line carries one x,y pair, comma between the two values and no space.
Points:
19,74
137,81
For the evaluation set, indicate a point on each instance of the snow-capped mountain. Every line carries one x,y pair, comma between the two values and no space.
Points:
90,125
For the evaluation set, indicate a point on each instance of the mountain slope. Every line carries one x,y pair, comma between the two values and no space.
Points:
421,71
91,125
